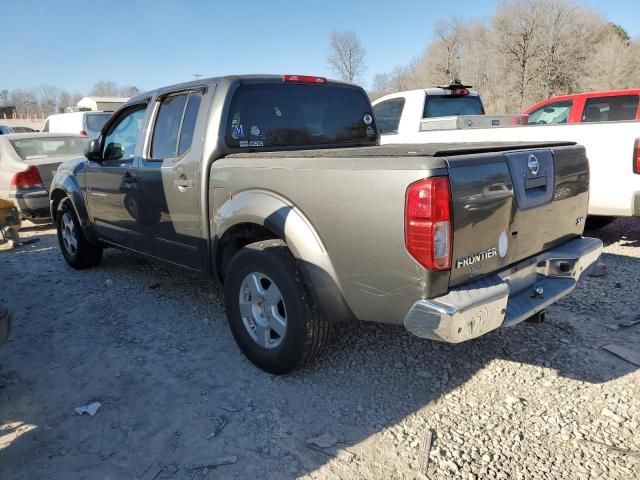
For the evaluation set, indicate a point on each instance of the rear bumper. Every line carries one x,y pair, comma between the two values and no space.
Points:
32,204
635,205
505,298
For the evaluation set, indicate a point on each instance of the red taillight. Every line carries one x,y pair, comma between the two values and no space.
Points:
304,79
30,178
83,133
427,223
636,156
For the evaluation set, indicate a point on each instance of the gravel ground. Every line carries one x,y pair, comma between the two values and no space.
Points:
152,345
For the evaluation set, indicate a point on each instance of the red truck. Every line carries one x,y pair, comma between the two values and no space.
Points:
611,106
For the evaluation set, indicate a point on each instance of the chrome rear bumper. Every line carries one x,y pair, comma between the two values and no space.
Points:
505,298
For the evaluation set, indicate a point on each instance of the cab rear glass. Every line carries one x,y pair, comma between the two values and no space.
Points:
299,116
449,105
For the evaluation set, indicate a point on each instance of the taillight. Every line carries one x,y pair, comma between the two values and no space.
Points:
459,92
304,79
428,232
83,133
30,178
636,156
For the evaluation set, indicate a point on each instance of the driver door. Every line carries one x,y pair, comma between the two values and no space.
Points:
111,182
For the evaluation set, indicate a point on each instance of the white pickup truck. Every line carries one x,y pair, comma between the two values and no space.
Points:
612,147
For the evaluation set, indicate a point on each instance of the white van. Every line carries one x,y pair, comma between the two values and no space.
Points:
88,124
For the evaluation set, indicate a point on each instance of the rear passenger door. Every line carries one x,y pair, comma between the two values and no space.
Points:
169,183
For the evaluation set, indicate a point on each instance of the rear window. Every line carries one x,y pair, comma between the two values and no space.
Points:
294,115
23,130
610,109
33,148
448,105
96,121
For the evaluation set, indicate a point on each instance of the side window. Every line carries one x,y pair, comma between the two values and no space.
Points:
388,114
610,109
189,122
552,113
174,126
46,126
121,138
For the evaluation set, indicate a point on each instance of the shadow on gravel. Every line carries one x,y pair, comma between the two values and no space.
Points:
624,229
152,345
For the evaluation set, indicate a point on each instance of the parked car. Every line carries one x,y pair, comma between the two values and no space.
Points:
612,149
28,162
610,106
6,129
87,124
275,185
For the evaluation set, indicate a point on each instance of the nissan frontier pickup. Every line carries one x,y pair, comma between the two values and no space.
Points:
276,186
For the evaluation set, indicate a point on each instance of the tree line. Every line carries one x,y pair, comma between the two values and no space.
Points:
49,99
529,50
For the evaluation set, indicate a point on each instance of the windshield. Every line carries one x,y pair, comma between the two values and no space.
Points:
298,115
448,105
34,148
95,121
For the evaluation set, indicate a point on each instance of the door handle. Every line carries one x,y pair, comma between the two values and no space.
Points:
183,183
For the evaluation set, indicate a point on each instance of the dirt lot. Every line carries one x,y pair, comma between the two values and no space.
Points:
152,345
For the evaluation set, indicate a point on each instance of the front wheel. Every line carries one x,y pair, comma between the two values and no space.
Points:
271,314
76,249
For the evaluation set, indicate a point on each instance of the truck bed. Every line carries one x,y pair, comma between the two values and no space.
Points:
403,150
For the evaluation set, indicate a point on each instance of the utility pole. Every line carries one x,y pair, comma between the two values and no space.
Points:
196,76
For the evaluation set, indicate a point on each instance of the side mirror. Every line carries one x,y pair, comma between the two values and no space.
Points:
92,150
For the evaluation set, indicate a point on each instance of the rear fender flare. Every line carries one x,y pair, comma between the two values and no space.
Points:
288,223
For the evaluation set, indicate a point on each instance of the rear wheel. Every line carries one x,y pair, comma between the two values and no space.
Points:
595,222
271,314
76,249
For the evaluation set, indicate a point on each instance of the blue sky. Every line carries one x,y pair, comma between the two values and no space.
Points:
74,43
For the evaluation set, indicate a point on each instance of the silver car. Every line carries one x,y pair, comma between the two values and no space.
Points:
28,162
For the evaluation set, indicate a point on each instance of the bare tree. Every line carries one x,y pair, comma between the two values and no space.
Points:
105,88
47,99
346,56
129,91
64,100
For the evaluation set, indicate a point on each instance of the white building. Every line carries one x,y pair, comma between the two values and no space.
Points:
101,103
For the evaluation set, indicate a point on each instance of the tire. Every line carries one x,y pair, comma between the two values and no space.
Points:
76,249
256,311
596,222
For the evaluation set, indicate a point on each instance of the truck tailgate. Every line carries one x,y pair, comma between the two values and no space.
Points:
511,205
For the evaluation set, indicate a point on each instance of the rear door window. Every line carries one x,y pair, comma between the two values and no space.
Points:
610,109
552,113
174,125
299,116
388,114
449,105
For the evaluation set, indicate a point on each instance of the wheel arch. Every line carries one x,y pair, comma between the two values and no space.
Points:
256,215
66,186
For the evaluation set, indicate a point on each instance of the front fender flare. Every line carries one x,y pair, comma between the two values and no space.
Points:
67,184
286,221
